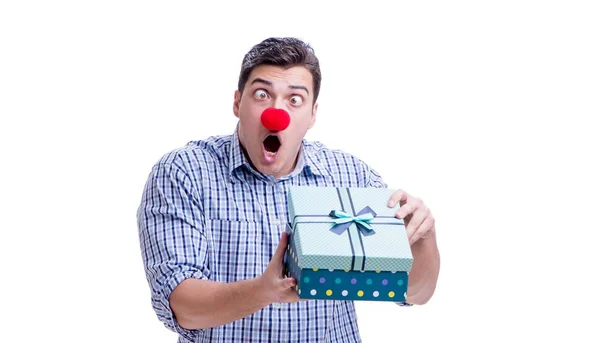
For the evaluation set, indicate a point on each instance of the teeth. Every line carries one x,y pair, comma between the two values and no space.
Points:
271,153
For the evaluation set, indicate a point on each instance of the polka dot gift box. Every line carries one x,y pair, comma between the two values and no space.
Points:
346,244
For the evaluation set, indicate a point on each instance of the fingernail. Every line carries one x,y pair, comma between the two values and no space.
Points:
390,203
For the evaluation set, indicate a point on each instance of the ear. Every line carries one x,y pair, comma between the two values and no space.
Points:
237,97
314,116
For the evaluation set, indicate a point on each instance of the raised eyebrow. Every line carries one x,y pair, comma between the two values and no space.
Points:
269,83
259,80
300,87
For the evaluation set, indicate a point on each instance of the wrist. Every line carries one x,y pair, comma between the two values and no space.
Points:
260,291
427,239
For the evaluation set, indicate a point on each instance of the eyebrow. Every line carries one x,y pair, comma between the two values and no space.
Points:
269,83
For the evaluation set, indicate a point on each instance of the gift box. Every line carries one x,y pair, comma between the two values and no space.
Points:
346,244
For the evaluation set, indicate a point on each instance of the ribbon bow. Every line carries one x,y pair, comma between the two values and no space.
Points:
344,220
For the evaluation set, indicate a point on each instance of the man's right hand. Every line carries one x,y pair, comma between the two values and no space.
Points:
277,287
200,304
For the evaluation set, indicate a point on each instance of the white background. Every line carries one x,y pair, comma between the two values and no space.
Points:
486,110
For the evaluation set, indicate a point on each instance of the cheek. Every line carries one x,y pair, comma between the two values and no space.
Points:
251,119
251,130
248,129
302,122
298,128
250,109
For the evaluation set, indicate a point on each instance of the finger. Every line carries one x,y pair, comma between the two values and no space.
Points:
291,296
280,252
276,264
417,219
398,196
282,286
405,210
289,282
424,230
286,288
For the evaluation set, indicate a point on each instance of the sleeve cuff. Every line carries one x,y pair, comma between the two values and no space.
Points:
163,308
403,303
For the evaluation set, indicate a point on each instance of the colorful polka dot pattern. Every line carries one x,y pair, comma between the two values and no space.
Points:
325,284
334,284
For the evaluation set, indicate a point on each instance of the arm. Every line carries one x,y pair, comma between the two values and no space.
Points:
175,255
201,303
425,270
420,228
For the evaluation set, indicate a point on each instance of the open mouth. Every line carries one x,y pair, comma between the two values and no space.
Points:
272,145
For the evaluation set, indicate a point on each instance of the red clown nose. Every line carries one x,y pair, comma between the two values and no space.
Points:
275,119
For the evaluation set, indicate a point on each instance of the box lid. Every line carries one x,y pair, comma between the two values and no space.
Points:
321,243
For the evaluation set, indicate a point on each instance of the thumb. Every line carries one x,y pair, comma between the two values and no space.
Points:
280,252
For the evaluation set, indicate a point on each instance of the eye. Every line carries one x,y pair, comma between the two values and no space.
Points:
261,94
296,100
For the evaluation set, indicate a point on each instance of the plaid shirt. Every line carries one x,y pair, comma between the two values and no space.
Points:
207,214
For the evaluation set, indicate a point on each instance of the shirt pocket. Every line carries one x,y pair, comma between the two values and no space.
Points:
240,249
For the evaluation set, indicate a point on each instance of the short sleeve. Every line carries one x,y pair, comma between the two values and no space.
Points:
371,177
172,240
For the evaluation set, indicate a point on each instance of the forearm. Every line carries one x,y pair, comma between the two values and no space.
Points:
425,270
199,304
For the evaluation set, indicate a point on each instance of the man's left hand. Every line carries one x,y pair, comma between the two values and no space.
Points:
417,217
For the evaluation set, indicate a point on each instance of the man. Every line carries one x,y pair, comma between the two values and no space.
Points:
213,215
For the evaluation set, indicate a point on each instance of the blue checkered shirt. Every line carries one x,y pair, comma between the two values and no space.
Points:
207,214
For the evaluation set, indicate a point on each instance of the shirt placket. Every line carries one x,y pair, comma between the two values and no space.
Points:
278,221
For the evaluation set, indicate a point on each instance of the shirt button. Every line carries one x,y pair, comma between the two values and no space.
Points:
277,305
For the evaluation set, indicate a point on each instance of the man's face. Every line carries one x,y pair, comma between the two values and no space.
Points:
271,86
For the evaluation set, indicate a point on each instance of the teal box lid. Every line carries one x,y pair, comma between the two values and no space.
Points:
321,243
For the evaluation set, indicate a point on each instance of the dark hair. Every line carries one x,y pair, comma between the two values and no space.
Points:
282,52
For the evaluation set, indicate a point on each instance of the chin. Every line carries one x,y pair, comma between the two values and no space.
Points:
275,169
271,170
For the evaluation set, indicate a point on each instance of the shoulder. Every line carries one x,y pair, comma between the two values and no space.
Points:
330,156
341,165
197,154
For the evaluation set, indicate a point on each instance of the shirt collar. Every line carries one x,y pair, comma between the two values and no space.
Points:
306,161
311,161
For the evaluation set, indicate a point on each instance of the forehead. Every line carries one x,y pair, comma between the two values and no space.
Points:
280,76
